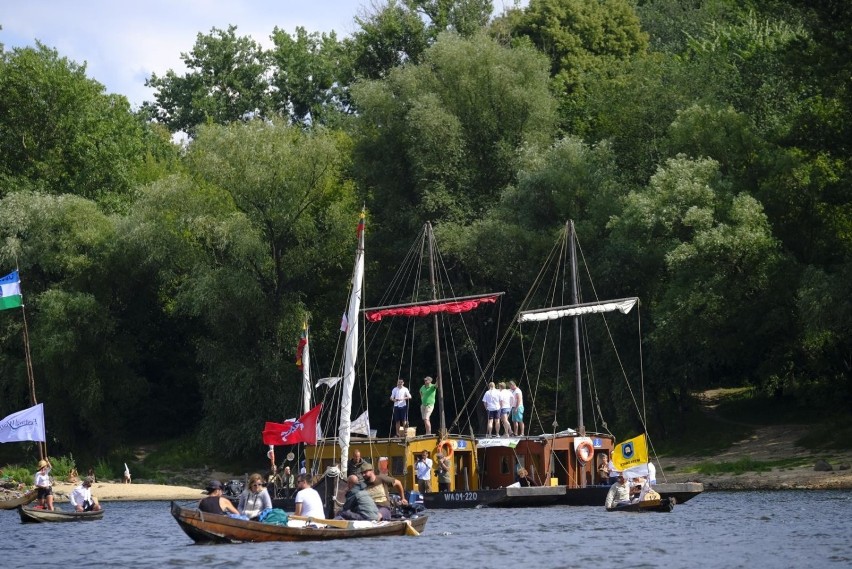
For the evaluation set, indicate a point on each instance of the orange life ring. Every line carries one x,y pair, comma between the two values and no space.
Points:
585,451
445,448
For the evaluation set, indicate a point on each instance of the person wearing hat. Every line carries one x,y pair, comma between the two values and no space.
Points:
43,485
81,497
619,493
379,487
215,502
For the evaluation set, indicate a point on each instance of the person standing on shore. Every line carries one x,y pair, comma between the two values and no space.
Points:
43,484
427,402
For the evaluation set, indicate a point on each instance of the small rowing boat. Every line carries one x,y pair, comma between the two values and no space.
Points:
203,527
664,505
16,500
37,515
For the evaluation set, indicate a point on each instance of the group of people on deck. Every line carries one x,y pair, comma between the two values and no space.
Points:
400,395
505,407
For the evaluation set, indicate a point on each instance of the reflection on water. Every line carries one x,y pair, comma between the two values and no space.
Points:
717,529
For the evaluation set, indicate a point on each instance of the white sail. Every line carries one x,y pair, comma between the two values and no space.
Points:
306,374
623,306
350,349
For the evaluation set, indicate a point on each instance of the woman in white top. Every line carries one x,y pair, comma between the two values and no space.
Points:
43,485
255,498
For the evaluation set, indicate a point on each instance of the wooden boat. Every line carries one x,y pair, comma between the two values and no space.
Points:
402,448
21,500
37,515
663,505
213,528
563,461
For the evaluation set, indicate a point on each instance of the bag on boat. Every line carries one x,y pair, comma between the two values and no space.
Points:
275,516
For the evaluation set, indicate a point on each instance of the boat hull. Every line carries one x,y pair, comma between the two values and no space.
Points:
540,496
22,500
212,528
663,505
32,515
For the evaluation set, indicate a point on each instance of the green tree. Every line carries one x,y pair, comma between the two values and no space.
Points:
439,140
244,245
226,82
61,134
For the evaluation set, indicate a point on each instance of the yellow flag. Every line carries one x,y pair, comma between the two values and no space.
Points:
632,456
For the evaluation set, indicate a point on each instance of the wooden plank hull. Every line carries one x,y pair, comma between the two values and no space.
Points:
22,500
663,505
32,515
212,528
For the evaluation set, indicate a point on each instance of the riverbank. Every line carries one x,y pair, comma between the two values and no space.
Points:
114,491
768,444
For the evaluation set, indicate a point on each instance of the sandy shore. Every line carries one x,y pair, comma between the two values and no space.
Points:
110,491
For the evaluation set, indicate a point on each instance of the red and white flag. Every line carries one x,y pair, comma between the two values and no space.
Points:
301,430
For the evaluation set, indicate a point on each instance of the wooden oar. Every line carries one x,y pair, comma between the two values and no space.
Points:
409,530
343,524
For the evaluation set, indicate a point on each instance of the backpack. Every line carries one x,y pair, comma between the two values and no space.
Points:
275,516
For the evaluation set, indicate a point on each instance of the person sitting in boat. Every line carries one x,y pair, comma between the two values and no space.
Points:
254,499
358,505
400,396
215,502
523,478
379,487
43,485
491,400
442,470
619,493
517,409
308,501
81,497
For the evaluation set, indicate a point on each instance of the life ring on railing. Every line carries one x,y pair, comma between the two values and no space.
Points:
445,448
585,451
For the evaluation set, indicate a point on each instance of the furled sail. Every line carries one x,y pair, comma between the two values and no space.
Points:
624,306
458,306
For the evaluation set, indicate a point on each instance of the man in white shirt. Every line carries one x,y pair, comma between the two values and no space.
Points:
400,396
81,497
423,469
308,501
491,400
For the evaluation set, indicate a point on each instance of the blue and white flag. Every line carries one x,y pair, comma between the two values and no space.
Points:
26,425
10,291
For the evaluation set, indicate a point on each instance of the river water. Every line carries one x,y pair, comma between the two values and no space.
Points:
752,530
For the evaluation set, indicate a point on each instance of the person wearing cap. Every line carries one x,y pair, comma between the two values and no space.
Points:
41,480
81,497
379,487
619,493
427,402
215,502
308,501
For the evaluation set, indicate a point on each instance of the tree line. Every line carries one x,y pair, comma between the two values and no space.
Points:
702,149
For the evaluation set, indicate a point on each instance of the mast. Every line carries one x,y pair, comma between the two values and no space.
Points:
350,349
581,428
442,426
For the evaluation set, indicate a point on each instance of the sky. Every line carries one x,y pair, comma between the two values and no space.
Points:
122,43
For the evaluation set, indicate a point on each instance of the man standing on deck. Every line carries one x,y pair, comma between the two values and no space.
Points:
517,409
491,400
427,402
400,396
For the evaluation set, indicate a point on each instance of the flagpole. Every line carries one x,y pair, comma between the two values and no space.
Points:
42,445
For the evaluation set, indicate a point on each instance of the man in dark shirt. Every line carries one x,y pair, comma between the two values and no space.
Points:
215,502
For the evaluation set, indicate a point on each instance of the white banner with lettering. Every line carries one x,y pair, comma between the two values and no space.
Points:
26,425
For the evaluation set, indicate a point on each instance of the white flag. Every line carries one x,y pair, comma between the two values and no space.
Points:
26,425
361,425
329,381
